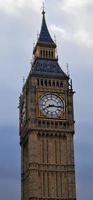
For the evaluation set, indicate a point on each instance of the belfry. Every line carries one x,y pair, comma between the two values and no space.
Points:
47,126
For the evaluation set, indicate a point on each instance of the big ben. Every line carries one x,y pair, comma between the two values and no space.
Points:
47,126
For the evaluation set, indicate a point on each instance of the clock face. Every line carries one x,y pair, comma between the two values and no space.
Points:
51,105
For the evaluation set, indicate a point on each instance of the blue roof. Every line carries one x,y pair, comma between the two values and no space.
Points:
45,37
47,67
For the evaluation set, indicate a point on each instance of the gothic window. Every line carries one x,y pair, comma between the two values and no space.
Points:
44,53
57,83
48,124
51,54
39,123
61,84
56,124
45,82
52,123
64,124
37,81
43,123
49,82
41,53
60,123
53,83
42,82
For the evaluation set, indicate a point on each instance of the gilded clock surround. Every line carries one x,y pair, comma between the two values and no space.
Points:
61,96
51,105
47,150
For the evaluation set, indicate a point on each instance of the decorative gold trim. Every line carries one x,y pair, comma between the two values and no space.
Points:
61,96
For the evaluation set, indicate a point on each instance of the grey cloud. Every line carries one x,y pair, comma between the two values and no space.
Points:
9,153
9,189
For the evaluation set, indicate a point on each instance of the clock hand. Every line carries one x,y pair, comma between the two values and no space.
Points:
51,105
55,106
60,106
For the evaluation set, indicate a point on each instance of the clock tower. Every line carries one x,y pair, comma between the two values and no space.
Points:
47,126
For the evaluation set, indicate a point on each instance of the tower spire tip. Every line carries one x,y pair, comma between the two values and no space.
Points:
43,9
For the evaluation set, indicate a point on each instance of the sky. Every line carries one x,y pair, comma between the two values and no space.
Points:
71,23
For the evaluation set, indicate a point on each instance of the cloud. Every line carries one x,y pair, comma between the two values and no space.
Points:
80,37
60,31
72,6
83,37
78,28
78,24
12,6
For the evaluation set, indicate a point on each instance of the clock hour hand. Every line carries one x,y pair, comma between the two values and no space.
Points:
51,105
54,106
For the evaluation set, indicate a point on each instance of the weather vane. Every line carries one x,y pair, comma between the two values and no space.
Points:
43,7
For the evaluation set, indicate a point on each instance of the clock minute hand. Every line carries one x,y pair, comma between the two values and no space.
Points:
50,105
60,106
55,106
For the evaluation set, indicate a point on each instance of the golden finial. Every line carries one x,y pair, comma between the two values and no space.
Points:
55,39
23,80
68,73
37,35
33,44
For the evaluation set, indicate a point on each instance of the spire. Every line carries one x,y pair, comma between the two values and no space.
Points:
45,60
43,9
44,37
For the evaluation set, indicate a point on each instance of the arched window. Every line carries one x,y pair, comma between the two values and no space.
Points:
57,83
41,53
52,123
39,123
51,54
42,82
60,123
61,84
48,124
44,53
43,122
37,81
45,82
64,124
56,124
53,83
49,83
